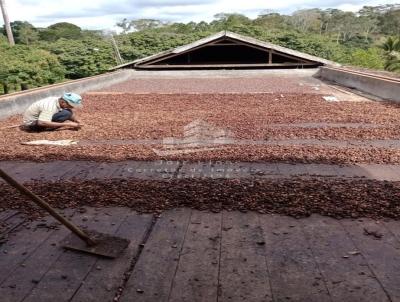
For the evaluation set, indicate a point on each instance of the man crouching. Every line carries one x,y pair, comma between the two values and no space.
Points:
53,113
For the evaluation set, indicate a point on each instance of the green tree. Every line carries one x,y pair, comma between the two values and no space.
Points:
202,26
125,25
372,58
23,32
225,21
345,25
62,30
307,20
271,21
392,54
368,18
83,58
22,67
140,44
145,24
390,21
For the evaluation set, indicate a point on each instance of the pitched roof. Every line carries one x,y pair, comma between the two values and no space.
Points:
234,36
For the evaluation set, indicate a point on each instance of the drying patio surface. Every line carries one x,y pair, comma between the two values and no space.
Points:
368,190
217,85
256,127
229,188
220,81
189,255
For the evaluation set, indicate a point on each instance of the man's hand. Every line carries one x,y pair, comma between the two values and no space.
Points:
71,124
73,119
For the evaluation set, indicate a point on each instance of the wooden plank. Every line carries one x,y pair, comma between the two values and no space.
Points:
382,254
320,169
106,276
145,169
152,276
380,172
32,171
345,270
55,170
23,171
140,169
4,215
80,170
10,220
157,170
262,169
292,169
100,171
22,244
30,270
7,165
133,169
118,170
20,170
12,223
351,171
243,270
196,278
395,170
293,272
68,272
393,226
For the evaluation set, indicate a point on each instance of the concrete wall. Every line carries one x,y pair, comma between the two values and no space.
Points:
380,86
16,103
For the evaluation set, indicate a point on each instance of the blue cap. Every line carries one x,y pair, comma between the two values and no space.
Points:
75,100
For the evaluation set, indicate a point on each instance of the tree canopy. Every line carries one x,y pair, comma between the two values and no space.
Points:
366,38
22,67
61,30
82,58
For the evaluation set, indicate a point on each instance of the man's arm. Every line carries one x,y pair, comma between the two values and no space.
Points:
55,125
74,119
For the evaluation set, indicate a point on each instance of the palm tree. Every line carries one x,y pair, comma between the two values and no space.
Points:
392,53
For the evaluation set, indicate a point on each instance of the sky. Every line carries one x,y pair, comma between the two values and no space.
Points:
104,14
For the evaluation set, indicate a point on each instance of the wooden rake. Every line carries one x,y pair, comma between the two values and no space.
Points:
88,241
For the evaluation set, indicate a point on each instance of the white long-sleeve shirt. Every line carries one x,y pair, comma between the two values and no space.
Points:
42,110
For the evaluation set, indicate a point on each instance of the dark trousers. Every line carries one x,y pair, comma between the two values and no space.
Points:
62,116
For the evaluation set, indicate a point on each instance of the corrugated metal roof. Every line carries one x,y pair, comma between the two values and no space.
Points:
228,34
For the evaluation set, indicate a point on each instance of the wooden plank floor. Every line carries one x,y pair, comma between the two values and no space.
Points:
188,255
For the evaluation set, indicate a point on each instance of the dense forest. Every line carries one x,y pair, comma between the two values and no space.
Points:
369,38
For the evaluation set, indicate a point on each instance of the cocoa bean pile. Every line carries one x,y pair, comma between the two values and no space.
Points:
297,197
109,117
284,154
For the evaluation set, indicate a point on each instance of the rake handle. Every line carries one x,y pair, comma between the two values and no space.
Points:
40,202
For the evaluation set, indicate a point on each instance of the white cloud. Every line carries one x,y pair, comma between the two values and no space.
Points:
102,14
